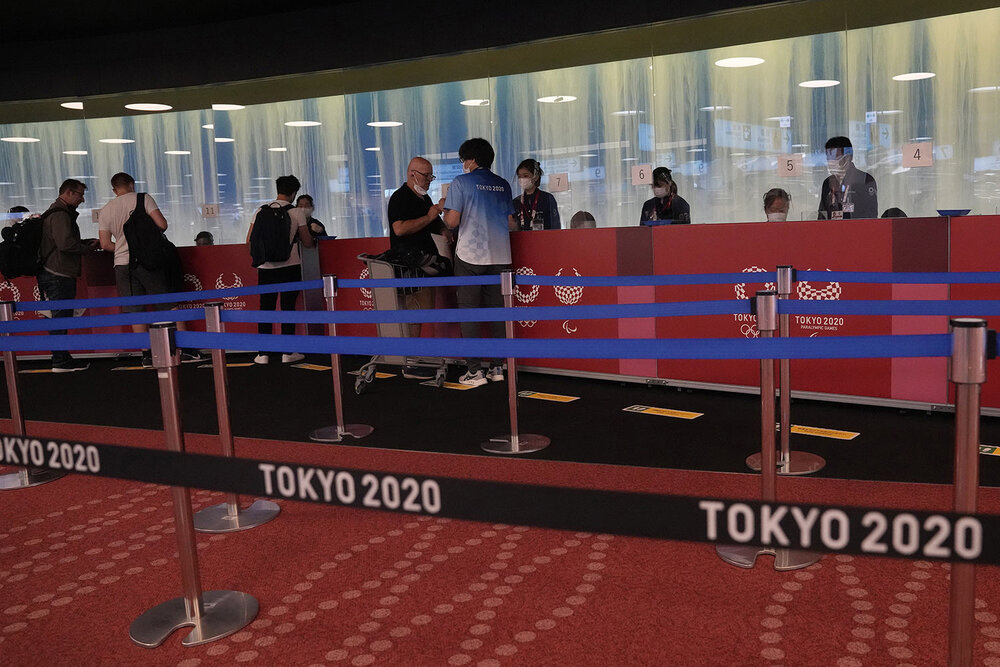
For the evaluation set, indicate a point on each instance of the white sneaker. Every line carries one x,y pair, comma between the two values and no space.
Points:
495,374
470,379
292,358
262,359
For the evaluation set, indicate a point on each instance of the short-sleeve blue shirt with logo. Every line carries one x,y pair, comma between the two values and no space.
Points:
484,200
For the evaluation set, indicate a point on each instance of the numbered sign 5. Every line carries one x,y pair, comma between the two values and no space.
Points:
790,165
918,155
642,174
210,210
558,182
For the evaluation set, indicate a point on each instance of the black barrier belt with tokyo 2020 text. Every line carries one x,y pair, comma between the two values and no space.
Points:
855,530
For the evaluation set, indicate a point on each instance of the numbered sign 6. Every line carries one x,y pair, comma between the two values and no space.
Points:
210,210
790,165
642,174
918,155
558,182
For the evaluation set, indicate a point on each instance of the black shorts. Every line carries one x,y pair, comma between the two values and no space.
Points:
141,282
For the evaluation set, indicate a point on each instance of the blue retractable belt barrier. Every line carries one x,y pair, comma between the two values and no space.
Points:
99,321
123,341
640,281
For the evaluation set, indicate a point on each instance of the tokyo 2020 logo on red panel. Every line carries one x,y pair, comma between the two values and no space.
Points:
748,323
567,295
804,291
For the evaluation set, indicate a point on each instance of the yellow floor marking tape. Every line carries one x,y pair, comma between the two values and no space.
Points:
37,370
131,368
378,374
558,398
824,432
311,367
989,450
663,412
449,385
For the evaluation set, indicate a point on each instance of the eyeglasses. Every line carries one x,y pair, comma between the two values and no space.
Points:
429,177
78,193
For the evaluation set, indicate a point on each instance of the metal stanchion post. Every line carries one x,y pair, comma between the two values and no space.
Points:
24,477
515,443
789,462
745,556
336,432
968,372
227,517
214,614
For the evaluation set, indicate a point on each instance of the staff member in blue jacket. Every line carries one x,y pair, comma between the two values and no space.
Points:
535,208
666,207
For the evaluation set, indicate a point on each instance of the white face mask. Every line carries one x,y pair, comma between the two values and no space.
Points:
419,190
838,166
659,193
525,183
777,216
308,210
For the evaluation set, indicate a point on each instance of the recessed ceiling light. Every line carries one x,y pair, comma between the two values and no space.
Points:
739,154
914,76
588,155
922,139
985,89
20,140
177,152
889,112
629,159
475,103
209,126
627,112
739,62
224,140
227,107
716,107
778,119
74,152
800,145
373,148
148,106
303,123
117,141
278,149
556,99
72,105
820,83
384,123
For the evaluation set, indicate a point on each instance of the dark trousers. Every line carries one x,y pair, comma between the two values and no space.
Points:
56,288
285,274
480,296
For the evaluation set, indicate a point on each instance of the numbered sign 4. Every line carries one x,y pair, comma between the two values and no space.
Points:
642,174
558,182
790,165
918,155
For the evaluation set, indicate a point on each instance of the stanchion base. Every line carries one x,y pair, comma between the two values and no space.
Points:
26,477
799,463
526,443
335,434
225,612
784,559
216,519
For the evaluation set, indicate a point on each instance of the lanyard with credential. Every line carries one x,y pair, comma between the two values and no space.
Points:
525,209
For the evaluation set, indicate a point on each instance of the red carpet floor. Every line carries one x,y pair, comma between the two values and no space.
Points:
81,557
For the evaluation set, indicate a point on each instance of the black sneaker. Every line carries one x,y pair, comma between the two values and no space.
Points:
70,366
418,373
192,357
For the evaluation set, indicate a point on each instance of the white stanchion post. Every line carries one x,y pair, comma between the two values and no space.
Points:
967,369
789,462
227,517
745,556
336,432
214,614
514,443
24,477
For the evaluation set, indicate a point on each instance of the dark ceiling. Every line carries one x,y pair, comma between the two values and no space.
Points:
98,47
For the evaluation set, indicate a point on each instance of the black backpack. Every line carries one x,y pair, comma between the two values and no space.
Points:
149,248
20,250
270,238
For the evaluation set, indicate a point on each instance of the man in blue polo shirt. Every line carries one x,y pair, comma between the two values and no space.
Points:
479,206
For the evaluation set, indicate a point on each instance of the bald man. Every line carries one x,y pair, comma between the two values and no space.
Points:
413,218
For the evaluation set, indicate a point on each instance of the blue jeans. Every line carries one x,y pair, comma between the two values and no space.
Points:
56,288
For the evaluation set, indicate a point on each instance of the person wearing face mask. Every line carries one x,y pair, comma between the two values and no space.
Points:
847,193
666,207
316,228
535,208
776,203
413,221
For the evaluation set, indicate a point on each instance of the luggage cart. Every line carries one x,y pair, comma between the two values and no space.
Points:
391,298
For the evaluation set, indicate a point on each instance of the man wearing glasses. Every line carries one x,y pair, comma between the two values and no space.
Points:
413,220
61,249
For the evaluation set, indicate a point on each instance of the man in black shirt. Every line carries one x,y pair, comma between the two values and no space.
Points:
413,219
848,192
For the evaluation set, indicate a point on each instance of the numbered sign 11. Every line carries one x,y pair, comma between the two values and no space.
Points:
210,210
642,174
558,182
918,155
790,165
